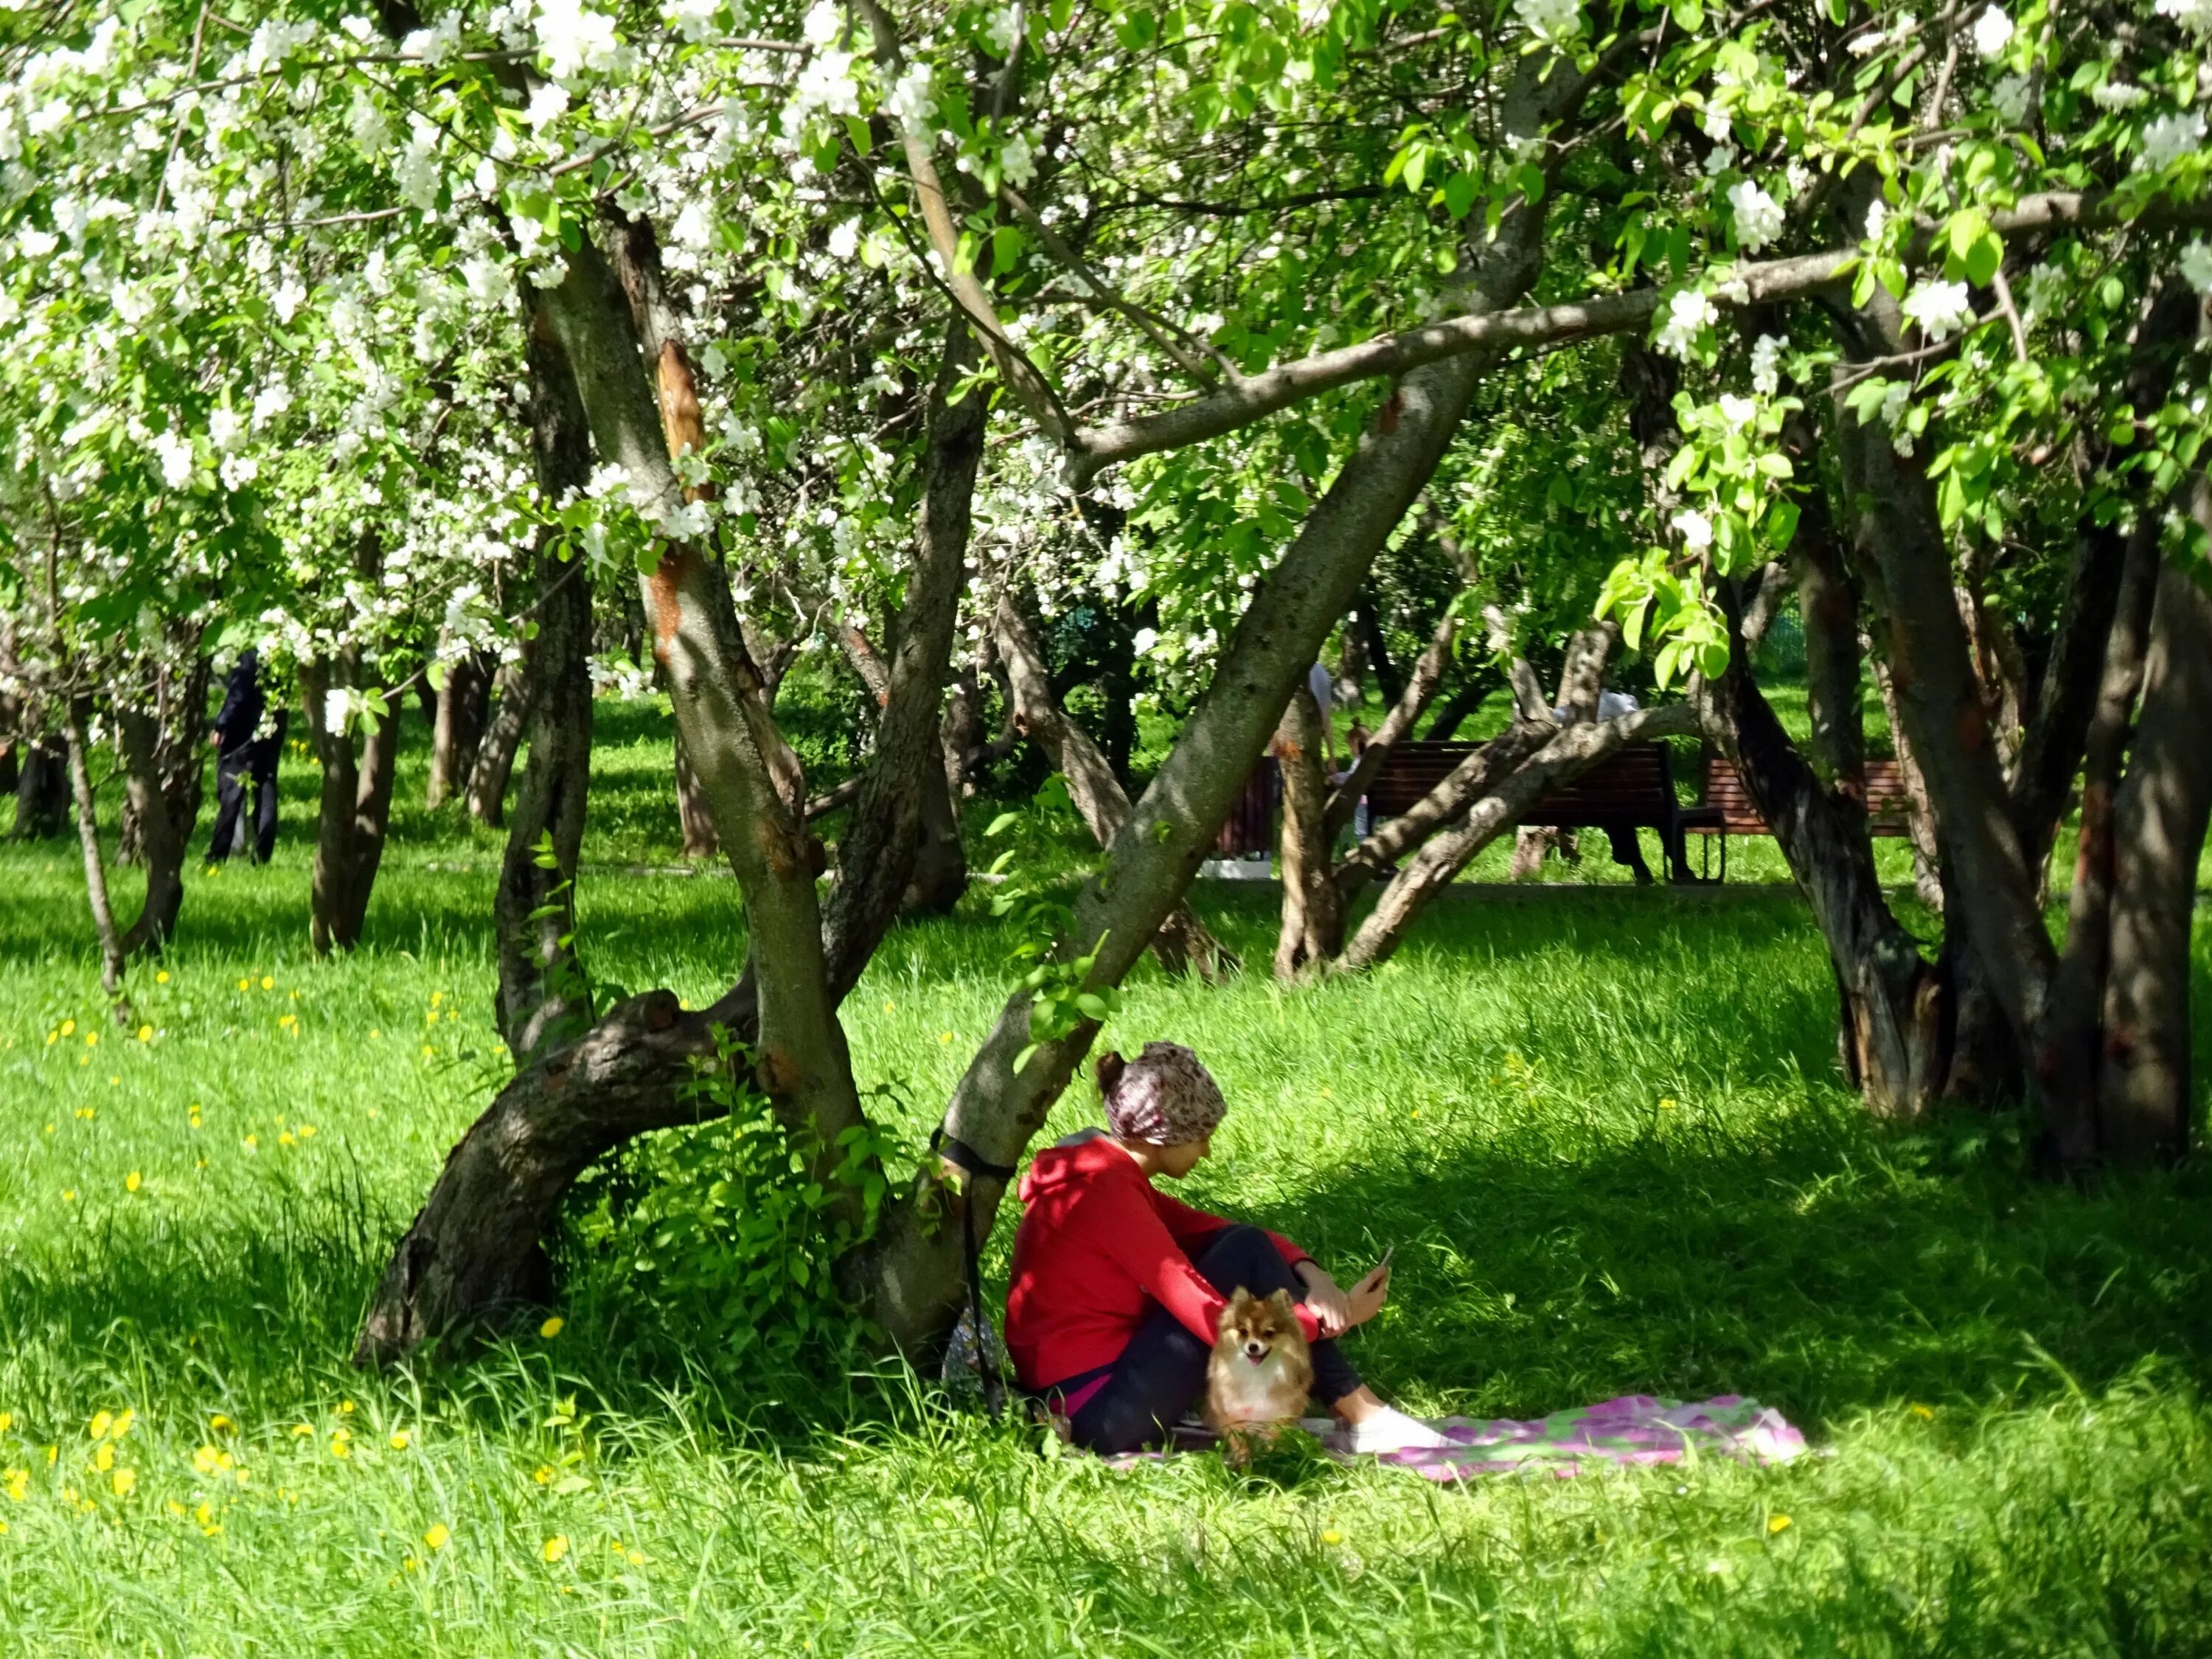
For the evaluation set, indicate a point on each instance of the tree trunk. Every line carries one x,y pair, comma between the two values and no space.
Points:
2143,1094
1561,754
1313,922
355,802
693,817
1182,942
161,837
87,829
517,691
42,789
1412,697
903,803
544,1001
1367,623
1990,887
458,732
1892,1030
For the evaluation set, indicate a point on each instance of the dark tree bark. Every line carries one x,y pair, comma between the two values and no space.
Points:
876,856
458,733
1367,618
177,763
544,1001
354,807
163,830
1313,920
1412,697
42,788
1183,943
694,815
516,701
2143,1095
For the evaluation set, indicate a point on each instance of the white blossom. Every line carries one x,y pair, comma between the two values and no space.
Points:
912,99
1017,164
826,85
1550,20
270,402
174,451
2169,139
371,133
1314,15
1696,529
416,172
2195,16
274,41
239,471
486,279
286,299
132,303
1940,309
436,43
845,239
1758,216
575,39
823,23
1143,640
36,244
998,31
1738,412
694,19
1717,124
1766,365
1689,314
2196,263
2116,94
1992,33
225,428
548,101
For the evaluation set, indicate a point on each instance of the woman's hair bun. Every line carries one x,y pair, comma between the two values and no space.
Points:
1109,1068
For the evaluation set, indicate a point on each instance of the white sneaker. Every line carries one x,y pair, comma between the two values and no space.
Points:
1391,1431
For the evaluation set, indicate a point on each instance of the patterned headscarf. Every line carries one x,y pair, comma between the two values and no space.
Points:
1164,1095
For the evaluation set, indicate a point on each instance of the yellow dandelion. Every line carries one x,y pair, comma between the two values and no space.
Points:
889,1004
207,1460
69,1028
401,1439
161,978
18,1482
69,1194
145,1034
91,1039
436,997
411,1564
133,1182
636,1557
285,1138
219,1423
302,1431
345,1408
438,1537
1667,1104
50,1129
342,1445
121,1426
251,1143
306,1131
543,1476
373,1035
245,985
124,1482
945,1036
103,1458
1331,1536
1777,1523
1923,1413
554,1548
269,982
101,1422
551,1327
7,1421
429,1052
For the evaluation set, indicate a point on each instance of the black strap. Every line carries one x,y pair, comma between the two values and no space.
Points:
959,1153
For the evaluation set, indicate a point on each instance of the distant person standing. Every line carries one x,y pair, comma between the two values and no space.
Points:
243,758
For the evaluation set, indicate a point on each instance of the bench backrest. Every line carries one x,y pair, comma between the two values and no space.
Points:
1630,785
1888,807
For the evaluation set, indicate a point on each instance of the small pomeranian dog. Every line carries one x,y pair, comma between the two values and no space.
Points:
1261,1373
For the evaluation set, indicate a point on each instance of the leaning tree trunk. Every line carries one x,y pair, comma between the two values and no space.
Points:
916,1274
513,705
1183,944
544,1000
2143,1096
161,837
1312,911
88,828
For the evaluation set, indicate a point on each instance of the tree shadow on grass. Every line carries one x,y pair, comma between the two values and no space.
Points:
1826,1267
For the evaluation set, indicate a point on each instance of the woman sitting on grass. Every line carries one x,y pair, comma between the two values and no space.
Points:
1118,1289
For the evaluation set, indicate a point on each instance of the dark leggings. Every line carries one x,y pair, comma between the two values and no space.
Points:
1162,1373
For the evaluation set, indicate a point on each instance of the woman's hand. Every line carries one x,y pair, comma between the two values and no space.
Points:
1369,1295
1331,1307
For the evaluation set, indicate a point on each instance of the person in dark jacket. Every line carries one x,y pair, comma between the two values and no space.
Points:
233,739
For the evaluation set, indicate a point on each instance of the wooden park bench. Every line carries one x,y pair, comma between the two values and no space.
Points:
1631,790
1726,807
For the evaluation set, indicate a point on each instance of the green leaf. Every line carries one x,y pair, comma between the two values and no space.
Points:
1001,823
1689,16
1982,258
1460,191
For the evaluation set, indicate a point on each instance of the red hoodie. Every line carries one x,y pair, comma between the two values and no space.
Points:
1098,1247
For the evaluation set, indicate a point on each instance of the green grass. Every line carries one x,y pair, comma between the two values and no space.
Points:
1602,1127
